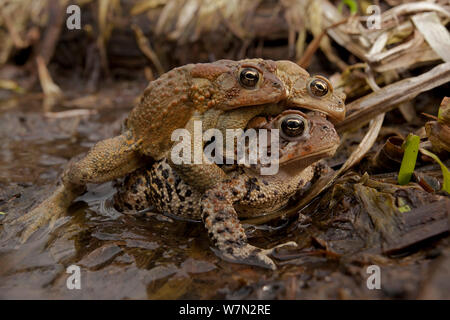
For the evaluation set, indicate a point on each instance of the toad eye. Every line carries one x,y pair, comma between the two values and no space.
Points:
249,78
318,87
293,126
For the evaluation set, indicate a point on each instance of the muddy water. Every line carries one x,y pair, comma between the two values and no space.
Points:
121,256
147,255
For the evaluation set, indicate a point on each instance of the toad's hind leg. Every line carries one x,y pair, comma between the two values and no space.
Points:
107,160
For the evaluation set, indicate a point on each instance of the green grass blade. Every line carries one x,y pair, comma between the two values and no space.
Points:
351,4
445,172
411,150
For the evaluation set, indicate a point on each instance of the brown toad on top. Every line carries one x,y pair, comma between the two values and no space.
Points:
223,94
304,139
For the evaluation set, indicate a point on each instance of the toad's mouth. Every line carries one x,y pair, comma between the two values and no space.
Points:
292,163
305,161
335,113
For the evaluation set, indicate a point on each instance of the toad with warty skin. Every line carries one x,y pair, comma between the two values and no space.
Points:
304,139
224,94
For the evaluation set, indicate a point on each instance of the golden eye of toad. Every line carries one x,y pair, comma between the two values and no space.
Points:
318,87
293,127
249,78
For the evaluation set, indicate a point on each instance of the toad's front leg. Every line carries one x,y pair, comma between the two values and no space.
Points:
224,228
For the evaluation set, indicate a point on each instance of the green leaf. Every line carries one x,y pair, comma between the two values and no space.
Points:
440,114
411,150
403,205
351,4
2,213
11,85
445,172
404,209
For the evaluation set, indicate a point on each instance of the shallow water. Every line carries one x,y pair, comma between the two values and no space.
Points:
148,255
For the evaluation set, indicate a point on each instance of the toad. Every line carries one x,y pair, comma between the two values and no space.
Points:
203,92
304,139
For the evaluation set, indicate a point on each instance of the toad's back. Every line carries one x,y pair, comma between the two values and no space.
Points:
163,107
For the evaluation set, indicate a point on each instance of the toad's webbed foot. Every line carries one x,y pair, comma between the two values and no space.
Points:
48,212
246,254
251,255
